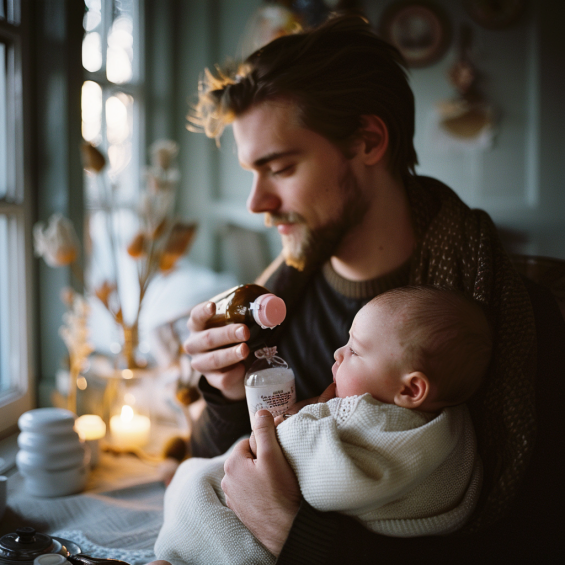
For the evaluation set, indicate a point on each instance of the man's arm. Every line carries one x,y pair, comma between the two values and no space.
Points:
220,424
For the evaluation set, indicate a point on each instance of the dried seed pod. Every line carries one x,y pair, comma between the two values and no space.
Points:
104,291
179,241
136,248
92,160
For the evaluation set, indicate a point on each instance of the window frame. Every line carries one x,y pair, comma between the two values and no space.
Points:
17,204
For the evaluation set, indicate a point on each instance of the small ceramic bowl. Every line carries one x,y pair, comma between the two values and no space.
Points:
52,445
32,461
56,483
48,421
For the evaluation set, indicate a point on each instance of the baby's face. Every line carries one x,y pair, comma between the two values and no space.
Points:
371,361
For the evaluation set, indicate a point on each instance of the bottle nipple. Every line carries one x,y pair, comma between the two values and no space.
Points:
269,310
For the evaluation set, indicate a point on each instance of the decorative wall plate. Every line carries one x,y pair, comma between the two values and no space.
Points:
419,30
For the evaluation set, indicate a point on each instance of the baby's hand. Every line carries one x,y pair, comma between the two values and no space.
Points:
328,394
280,419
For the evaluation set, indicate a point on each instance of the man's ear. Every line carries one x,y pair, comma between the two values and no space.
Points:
373,139
414,391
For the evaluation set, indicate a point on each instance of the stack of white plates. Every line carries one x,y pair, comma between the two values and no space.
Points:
52,459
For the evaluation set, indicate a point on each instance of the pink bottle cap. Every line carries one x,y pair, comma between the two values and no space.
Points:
269,310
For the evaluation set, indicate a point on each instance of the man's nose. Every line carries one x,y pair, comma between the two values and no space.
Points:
262,197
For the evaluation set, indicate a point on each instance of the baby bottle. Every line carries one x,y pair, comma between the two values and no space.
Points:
269,384
252,305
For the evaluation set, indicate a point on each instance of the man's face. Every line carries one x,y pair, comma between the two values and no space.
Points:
373,359
302,183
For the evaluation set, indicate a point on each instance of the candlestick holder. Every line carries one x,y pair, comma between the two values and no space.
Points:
128,397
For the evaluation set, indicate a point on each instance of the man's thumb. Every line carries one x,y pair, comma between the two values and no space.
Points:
264,432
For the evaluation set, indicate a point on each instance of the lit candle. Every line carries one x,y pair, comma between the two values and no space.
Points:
129,429
91,428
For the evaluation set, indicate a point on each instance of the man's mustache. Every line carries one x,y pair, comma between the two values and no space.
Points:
272,219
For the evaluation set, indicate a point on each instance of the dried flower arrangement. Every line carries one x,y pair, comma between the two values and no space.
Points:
159,243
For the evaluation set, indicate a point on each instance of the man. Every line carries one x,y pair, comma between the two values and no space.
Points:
325,122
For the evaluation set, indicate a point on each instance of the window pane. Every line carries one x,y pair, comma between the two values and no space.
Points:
2,10
91,109
92,42
3,124
9,301
14,11
93,15
92,52
119,134
120,56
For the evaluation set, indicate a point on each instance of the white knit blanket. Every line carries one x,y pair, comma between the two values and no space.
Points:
400,472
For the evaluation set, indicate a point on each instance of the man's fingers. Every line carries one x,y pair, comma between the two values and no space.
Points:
240,455
208,340
240,452
219,360
264,433
199,315
228,380
253,445
328,394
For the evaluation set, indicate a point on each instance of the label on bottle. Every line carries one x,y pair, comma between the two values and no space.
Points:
276,398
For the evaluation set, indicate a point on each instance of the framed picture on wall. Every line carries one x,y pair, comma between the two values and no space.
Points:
419,30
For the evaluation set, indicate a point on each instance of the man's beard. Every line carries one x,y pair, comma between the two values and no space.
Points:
307,246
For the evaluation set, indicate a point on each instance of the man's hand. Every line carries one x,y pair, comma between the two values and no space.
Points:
222,366
263,491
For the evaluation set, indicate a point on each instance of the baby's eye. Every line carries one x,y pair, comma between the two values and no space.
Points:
352,352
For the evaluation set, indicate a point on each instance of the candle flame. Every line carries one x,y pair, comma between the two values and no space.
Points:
127,413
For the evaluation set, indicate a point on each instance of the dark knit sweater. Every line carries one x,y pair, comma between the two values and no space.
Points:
457,248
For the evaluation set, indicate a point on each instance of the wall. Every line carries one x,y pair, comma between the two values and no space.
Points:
519,180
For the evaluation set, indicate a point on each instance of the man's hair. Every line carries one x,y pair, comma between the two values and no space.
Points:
336,74
445,335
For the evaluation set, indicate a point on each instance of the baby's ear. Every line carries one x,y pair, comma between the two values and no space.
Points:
414,390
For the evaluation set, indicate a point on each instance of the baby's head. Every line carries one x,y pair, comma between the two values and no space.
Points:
418,347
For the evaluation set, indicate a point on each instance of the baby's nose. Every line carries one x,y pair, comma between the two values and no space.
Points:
338,355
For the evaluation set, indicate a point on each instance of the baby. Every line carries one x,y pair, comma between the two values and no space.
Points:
395,448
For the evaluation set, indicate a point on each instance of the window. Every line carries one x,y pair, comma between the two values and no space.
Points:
111,92
15,373
112,121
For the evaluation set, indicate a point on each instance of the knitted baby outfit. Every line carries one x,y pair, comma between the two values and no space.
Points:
400,472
